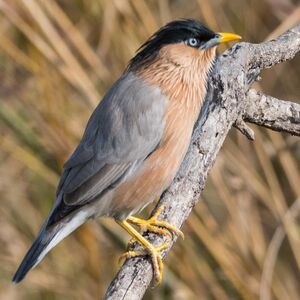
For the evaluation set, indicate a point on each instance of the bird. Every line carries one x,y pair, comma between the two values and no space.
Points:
135,141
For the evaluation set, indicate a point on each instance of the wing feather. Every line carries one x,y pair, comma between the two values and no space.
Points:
123,130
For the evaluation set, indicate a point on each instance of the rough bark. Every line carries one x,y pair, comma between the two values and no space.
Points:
228,102
272,113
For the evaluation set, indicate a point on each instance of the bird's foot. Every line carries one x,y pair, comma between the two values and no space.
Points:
156,259
152,225
156,226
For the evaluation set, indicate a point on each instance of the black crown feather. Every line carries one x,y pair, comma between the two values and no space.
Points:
174,32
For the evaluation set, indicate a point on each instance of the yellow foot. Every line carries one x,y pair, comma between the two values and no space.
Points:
154,225
156,259
149,249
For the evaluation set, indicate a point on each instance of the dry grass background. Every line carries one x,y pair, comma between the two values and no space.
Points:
57,58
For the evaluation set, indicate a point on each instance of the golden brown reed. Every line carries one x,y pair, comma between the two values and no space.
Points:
56,57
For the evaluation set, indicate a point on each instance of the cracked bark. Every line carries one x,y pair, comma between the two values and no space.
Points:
228,103
272,113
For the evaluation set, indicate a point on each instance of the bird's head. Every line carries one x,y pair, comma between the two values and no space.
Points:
180,42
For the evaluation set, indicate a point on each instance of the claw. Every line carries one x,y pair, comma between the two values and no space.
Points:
129,254
157,226
156,260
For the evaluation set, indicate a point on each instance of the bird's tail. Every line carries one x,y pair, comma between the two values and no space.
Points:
33,256
47,239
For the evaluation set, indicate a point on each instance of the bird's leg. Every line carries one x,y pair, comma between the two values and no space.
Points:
154,225
151,250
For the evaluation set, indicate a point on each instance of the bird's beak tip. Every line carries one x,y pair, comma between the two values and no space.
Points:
226,37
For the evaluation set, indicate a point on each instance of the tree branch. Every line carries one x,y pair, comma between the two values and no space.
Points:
227,101
272,113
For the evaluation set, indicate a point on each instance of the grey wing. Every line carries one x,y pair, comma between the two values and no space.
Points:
123,130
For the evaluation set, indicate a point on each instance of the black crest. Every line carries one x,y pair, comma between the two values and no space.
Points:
174,32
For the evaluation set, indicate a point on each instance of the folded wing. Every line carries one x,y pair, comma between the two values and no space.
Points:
123,130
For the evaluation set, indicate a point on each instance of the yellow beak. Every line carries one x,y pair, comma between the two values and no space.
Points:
226,37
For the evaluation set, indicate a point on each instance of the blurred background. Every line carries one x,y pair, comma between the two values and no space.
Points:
57,59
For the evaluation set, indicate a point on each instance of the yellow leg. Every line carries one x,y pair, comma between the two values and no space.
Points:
149,249
154,225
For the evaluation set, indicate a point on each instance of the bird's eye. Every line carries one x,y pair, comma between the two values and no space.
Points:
193,42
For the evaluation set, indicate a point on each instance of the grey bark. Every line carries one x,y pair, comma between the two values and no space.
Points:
228,102
272,113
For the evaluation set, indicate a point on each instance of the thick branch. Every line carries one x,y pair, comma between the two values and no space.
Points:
226,102
272,113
